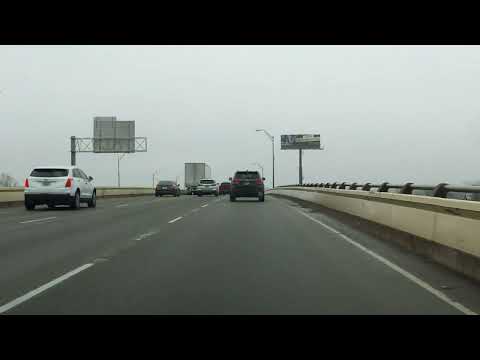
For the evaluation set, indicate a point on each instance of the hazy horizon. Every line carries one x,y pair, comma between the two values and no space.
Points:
385,113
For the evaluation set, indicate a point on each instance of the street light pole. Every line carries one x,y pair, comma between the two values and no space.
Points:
260,166
272,139
153,178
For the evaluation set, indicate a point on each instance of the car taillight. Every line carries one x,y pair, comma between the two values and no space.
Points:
236,181
26,184
259,182
68,184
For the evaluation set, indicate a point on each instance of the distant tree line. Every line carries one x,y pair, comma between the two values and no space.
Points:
7,180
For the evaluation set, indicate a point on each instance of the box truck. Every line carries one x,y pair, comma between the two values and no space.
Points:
194,172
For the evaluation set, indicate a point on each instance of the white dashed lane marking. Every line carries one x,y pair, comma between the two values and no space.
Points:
42,288
38,220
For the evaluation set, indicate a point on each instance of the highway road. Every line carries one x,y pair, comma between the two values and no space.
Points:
206,255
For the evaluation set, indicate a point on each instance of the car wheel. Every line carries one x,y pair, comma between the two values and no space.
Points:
261,198
76,201
51,206
93,201
156,195
29,205
232,198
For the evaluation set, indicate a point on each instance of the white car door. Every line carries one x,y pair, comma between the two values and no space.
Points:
78,181
86,185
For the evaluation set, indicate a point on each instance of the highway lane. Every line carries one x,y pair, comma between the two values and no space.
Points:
32,253
210,256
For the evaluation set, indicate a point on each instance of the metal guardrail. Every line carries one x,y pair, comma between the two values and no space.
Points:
440,190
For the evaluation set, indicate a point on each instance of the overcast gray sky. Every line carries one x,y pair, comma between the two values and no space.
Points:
385,113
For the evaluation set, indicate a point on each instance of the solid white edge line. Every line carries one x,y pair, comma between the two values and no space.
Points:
42,288
121,205
42,219
204,205
176,219
395,267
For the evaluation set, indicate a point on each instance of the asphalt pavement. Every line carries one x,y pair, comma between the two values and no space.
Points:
207,255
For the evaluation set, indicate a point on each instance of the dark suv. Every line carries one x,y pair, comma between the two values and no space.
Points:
167,188
247,184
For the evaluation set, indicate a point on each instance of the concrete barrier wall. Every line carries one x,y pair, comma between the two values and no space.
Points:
14,195
449,222
127,191
11,195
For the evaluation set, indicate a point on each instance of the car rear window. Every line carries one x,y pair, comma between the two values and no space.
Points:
247,175
207,182
165,183
49,173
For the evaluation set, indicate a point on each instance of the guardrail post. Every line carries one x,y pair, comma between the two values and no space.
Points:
342,185
383,187
334,185
366,187
406,189
440,190
353,186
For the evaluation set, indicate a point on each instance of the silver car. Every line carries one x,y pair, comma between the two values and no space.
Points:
207,187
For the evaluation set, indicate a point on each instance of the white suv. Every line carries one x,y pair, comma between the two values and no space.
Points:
59,185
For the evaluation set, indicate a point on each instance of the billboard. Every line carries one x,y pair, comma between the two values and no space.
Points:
112,136
297,142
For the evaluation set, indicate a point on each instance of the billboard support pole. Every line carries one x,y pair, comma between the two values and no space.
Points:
118,168
300,170
73,152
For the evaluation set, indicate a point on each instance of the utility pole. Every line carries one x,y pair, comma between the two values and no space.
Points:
272,139
118,168
260,166
300,170
273,163
73,152
153,178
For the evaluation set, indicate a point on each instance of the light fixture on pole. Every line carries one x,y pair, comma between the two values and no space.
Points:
273,154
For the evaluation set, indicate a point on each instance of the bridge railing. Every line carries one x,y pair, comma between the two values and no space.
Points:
439,190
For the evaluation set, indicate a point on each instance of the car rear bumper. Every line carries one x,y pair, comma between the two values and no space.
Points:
206,192
247,192
164,192
53,199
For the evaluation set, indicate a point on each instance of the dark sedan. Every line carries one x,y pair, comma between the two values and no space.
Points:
167,188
